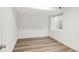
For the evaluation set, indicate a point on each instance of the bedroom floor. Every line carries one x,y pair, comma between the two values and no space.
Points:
40,44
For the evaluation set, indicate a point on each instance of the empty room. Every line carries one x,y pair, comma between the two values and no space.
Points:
39,29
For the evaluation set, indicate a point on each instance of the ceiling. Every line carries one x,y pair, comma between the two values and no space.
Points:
30,10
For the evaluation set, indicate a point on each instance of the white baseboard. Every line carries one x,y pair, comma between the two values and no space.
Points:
32,33
65,43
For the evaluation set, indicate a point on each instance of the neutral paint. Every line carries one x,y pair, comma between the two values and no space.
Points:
31,25
32,10
9,28
70,33
32,33
32,21
0,29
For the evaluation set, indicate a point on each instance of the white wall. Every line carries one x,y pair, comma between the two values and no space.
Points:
0,30
32,25
9,28
70,33
33,22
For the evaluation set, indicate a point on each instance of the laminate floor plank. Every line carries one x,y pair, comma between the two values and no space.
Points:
40,44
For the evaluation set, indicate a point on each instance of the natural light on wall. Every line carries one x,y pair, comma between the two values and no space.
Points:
44,8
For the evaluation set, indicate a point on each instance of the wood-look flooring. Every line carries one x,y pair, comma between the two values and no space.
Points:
44,44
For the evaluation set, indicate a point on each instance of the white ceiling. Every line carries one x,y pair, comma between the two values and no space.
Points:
38,11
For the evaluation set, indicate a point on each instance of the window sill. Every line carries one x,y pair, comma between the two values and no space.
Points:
57,29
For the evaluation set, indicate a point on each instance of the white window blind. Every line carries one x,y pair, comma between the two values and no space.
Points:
57,22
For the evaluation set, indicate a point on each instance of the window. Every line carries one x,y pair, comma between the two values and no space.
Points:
57,22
